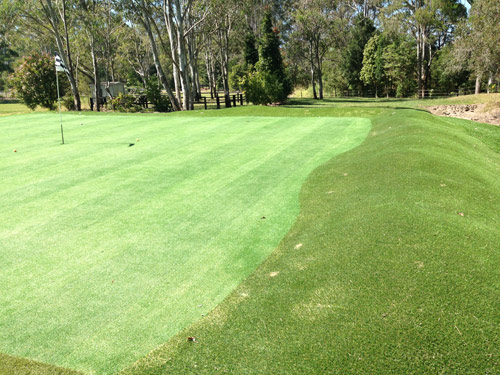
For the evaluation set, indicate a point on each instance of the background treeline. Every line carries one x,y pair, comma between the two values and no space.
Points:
183,48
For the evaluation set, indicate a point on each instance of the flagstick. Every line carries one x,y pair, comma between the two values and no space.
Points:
59,102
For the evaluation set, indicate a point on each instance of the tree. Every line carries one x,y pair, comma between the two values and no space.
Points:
361,33
142,12
44,16
373,72
389,63
251,53
269,83
312,36
224,19
478,41
35,81
431,23
399,59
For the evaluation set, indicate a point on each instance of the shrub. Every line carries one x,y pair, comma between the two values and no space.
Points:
69,103
237,76
262,87
125,103
160,102
35,81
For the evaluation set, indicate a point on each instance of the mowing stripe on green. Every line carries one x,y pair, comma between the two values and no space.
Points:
109,249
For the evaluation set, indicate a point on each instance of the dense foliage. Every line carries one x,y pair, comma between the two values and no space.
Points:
269,82
35,81
154,96
210,47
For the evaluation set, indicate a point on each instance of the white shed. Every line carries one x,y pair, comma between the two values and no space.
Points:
114,87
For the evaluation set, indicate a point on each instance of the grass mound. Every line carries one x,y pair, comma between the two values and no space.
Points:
393,266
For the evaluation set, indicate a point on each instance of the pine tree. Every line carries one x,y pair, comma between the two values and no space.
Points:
251,54
269,51
270,82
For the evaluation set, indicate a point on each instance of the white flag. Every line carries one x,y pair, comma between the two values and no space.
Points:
60,67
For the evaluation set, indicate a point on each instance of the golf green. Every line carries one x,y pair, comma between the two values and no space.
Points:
140,224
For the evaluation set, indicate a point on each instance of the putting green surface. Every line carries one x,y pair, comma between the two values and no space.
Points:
108,248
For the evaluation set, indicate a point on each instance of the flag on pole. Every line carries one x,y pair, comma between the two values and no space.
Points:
60,67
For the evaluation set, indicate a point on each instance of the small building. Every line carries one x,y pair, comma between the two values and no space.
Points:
107,88
115,88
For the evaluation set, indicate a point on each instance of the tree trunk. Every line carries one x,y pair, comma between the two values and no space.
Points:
225,83
419,64
97,82
320,83
490,82
159,70
478,85
313,70
65,55
319,71
178,15
167,16
224,62
208,65
193,67
313,83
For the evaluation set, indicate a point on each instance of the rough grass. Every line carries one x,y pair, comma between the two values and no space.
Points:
108,250
10,365
392,267
7,109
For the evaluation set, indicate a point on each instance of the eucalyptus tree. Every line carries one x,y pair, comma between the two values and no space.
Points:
147,14
366,8
431,23
484,39
90,15
226,22
313,36
9,13
182,17
134,52
56,18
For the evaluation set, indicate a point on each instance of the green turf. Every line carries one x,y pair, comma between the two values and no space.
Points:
390,277
109,250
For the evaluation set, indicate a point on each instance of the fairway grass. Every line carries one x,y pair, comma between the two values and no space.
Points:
140,225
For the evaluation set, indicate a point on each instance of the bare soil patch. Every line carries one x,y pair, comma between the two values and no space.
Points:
487,113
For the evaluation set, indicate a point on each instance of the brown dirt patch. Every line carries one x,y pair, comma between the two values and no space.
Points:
486,113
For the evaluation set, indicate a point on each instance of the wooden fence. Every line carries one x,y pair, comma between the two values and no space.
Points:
204,102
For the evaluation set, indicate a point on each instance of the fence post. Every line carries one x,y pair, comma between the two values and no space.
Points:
218,101
234,100
205,102
241,99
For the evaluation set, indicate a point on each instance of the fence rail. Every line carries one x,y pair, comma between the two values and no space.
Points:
428,94
235,99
